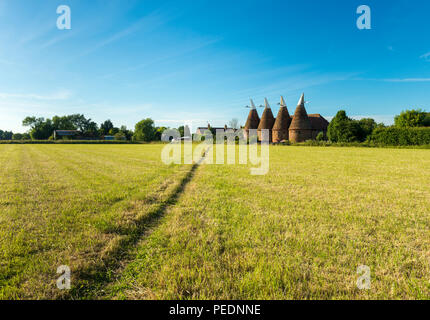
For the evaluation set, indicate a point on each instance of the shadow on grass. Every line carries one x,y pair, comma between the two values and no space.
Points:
90,281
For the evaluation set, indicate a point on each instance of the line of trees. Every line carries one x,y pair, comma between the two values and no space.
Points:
344,129
411,127
43,129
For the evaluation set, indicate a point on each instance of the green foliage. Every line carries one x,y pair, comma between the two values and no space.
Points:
113,131
401,136
41,128
105,127
344,129
158,132
426,121
411,118
144,130
47,141
17,136
120,136
63,123
127,133
367,126
6,135
181,130
320,136
20,136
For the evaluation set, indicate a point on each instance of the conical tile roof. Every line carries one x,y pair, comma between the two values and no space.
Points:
253,119
283,120
301,120
267,120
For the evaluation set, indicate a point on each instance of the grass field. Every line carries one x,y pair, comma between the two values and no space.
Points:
131,227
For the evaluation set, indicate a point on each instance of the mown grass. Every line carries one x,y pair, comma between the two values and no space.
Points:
299,232
131,227
72,205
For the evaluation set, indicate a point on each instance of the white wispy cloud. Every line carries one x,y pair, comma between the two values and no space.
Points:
394,79
426,56
408,80
148,23
59,95
173,53
55,40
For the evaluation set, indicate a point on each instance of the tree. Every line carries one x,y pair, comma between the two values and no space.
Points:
127,133
234,123
181,130
158,133
32,121
113,131
86,126
90,129
26,136
367,126
105,127
410,118
63,123
6,135
40,129
344,129
144,130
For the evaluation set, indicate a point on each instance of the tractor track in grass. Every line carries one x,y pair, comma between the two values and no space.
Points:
89,282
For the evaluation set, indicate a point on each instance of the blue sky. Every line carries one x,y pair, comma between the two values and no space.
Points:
200,61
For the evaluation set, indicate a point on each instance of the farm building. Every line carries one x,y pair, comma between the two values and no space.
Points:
202,130
298,128
60,134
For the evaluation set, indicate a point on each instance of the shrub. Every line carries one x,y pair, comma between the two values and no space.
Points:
395,136
320,136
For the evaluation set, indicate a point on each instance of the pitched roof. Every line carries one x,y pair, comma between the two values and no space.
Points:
283,119
301,120
253,120
267,120
318,122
